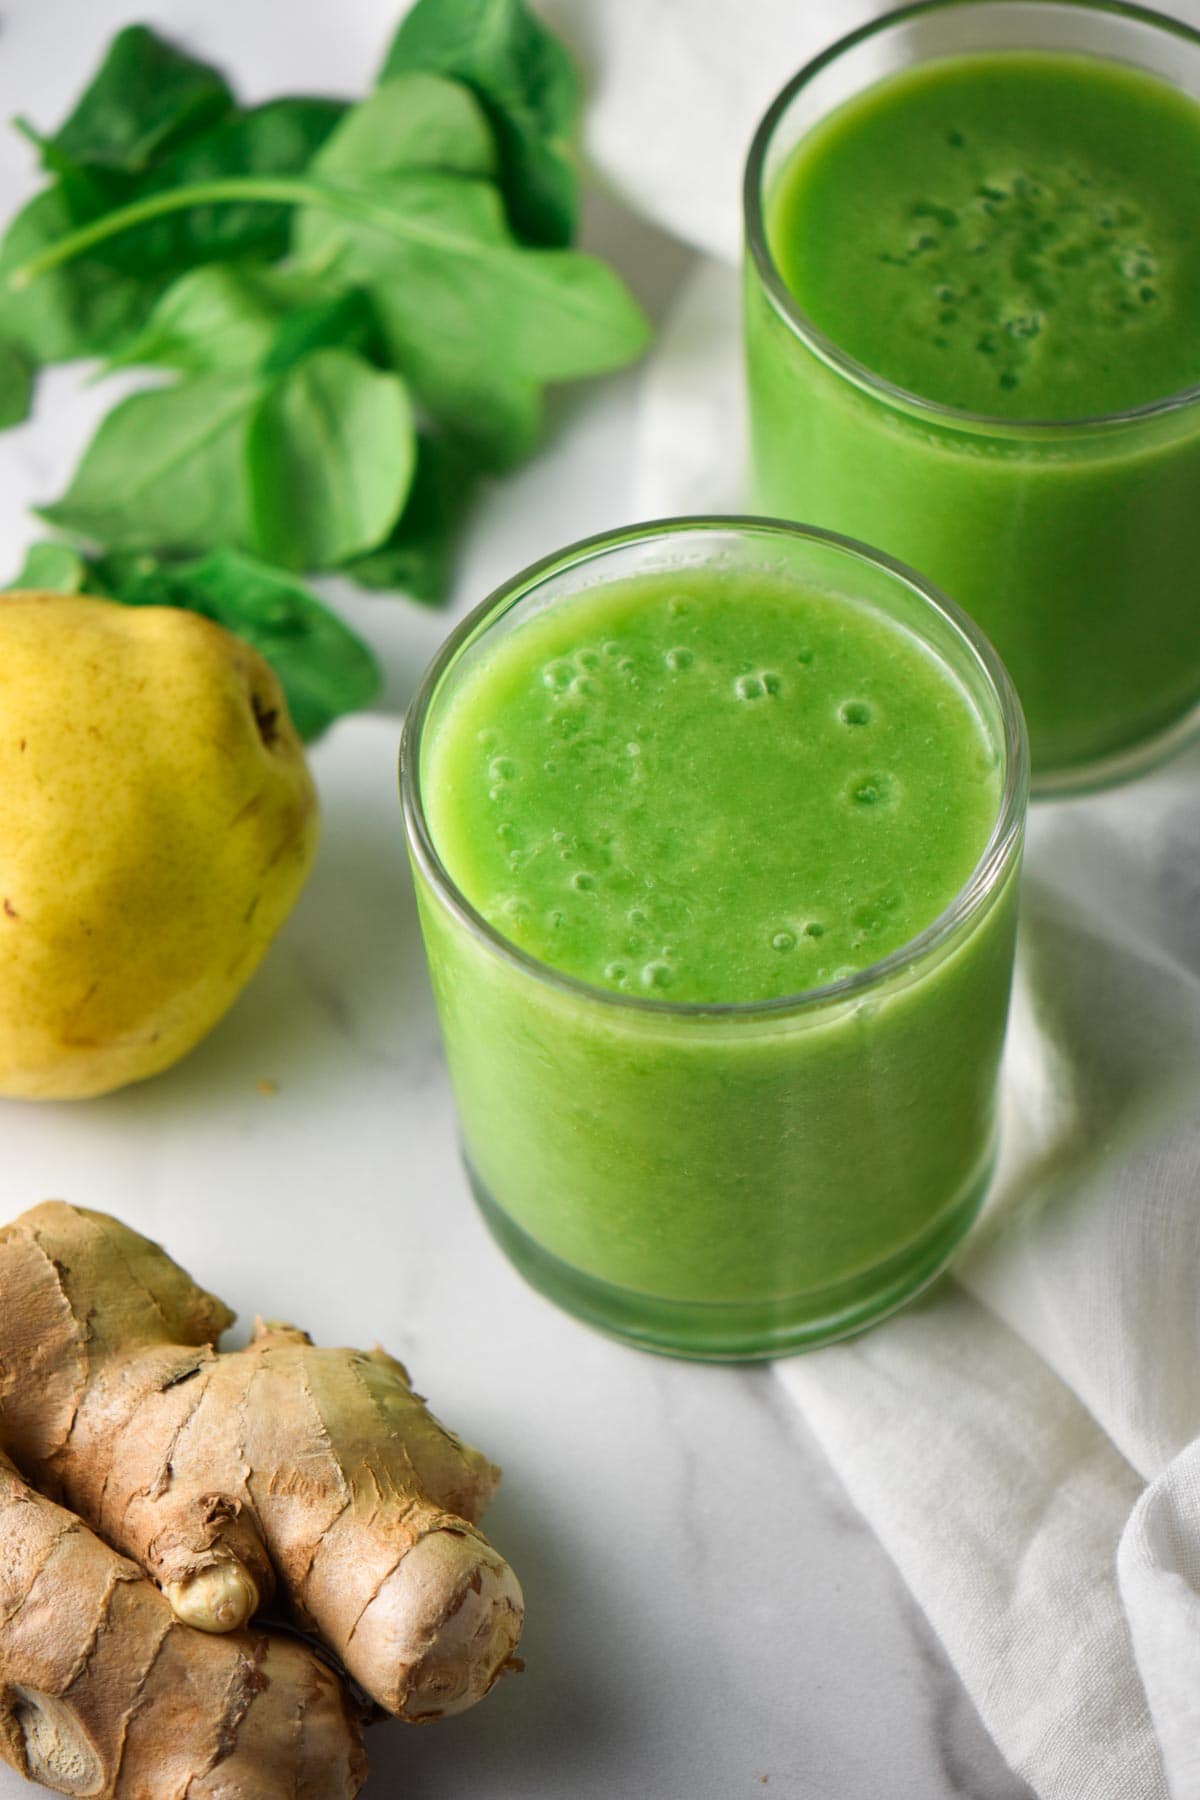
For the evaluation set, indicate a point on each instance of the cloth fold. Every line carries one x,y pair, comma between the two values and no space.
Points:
1159,1570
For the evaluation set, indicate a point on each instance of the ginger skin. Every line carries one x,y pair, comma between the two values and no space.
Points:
104,1694
229,1475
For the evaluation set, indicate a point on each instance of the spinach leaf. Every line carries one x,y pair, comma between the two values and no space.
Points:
16,385
166,469
278,138
220,316
422,121
530,89
93,305
53,567
416,558
82,309
242,316
411,122
306,468
87,189
436,334
551,314
474,320
145,97
345,319
330,458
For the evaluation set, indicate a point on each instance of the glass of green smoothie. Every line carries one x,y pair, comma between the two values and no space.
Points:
716,827
973,330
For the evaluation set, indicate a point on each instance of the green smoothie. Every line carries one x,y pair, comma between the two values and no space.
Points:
710,787
1005,237
1024,237
658,814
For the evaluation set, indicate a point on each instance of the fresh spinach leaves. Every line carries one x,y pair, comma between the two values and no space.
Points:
83,309
306,468
57,569
166,470
359,307
16,385
529,88
329,453
146,97
415,559
411,122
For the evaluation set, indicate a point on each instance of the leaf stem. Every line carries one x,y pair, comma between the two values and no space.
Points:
524,267
268,190
28,131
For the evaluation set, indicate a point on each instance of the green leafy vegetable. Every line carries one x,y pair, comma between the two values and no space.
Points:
411,122
152,119
476,321
218,317
166,469
16,385
145,97
456,225
142,106
330,457
54,567
359,309
307,468
416,558
221,317
345,319
83,309
278,138
530,89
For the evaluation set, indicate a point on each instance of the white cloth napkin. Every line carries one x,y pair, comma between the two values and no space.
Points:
1025,1441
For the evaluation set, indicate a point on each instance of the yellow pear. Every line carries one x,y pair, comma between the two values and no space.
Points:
157,822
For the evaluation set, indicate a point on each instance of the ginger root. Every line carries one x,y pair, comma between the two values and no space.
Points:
104,1694
315,1476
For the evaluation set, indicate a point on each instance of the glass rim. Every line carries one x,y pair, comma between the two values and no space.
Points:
990,867
828,349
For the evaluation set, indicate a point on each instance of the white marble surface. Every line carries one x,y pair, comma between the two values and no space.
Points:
708,1617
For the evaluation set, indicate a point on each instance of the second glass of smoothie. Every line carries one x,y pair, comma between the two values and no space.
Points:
716,828
973,327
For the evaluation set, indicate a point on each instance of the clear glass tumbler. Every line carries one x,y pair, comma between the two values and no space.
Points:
730,1181
1075,544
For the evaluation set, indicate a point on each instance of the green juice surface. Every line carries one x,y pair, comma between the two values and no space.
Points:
711,787
1013,234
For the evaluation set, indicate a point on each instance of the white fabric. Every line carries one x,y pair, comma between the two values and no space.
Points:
1025,1441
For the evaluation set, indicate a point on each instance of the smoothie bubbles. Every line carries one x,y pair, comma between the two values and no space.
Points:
716,829
973,330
